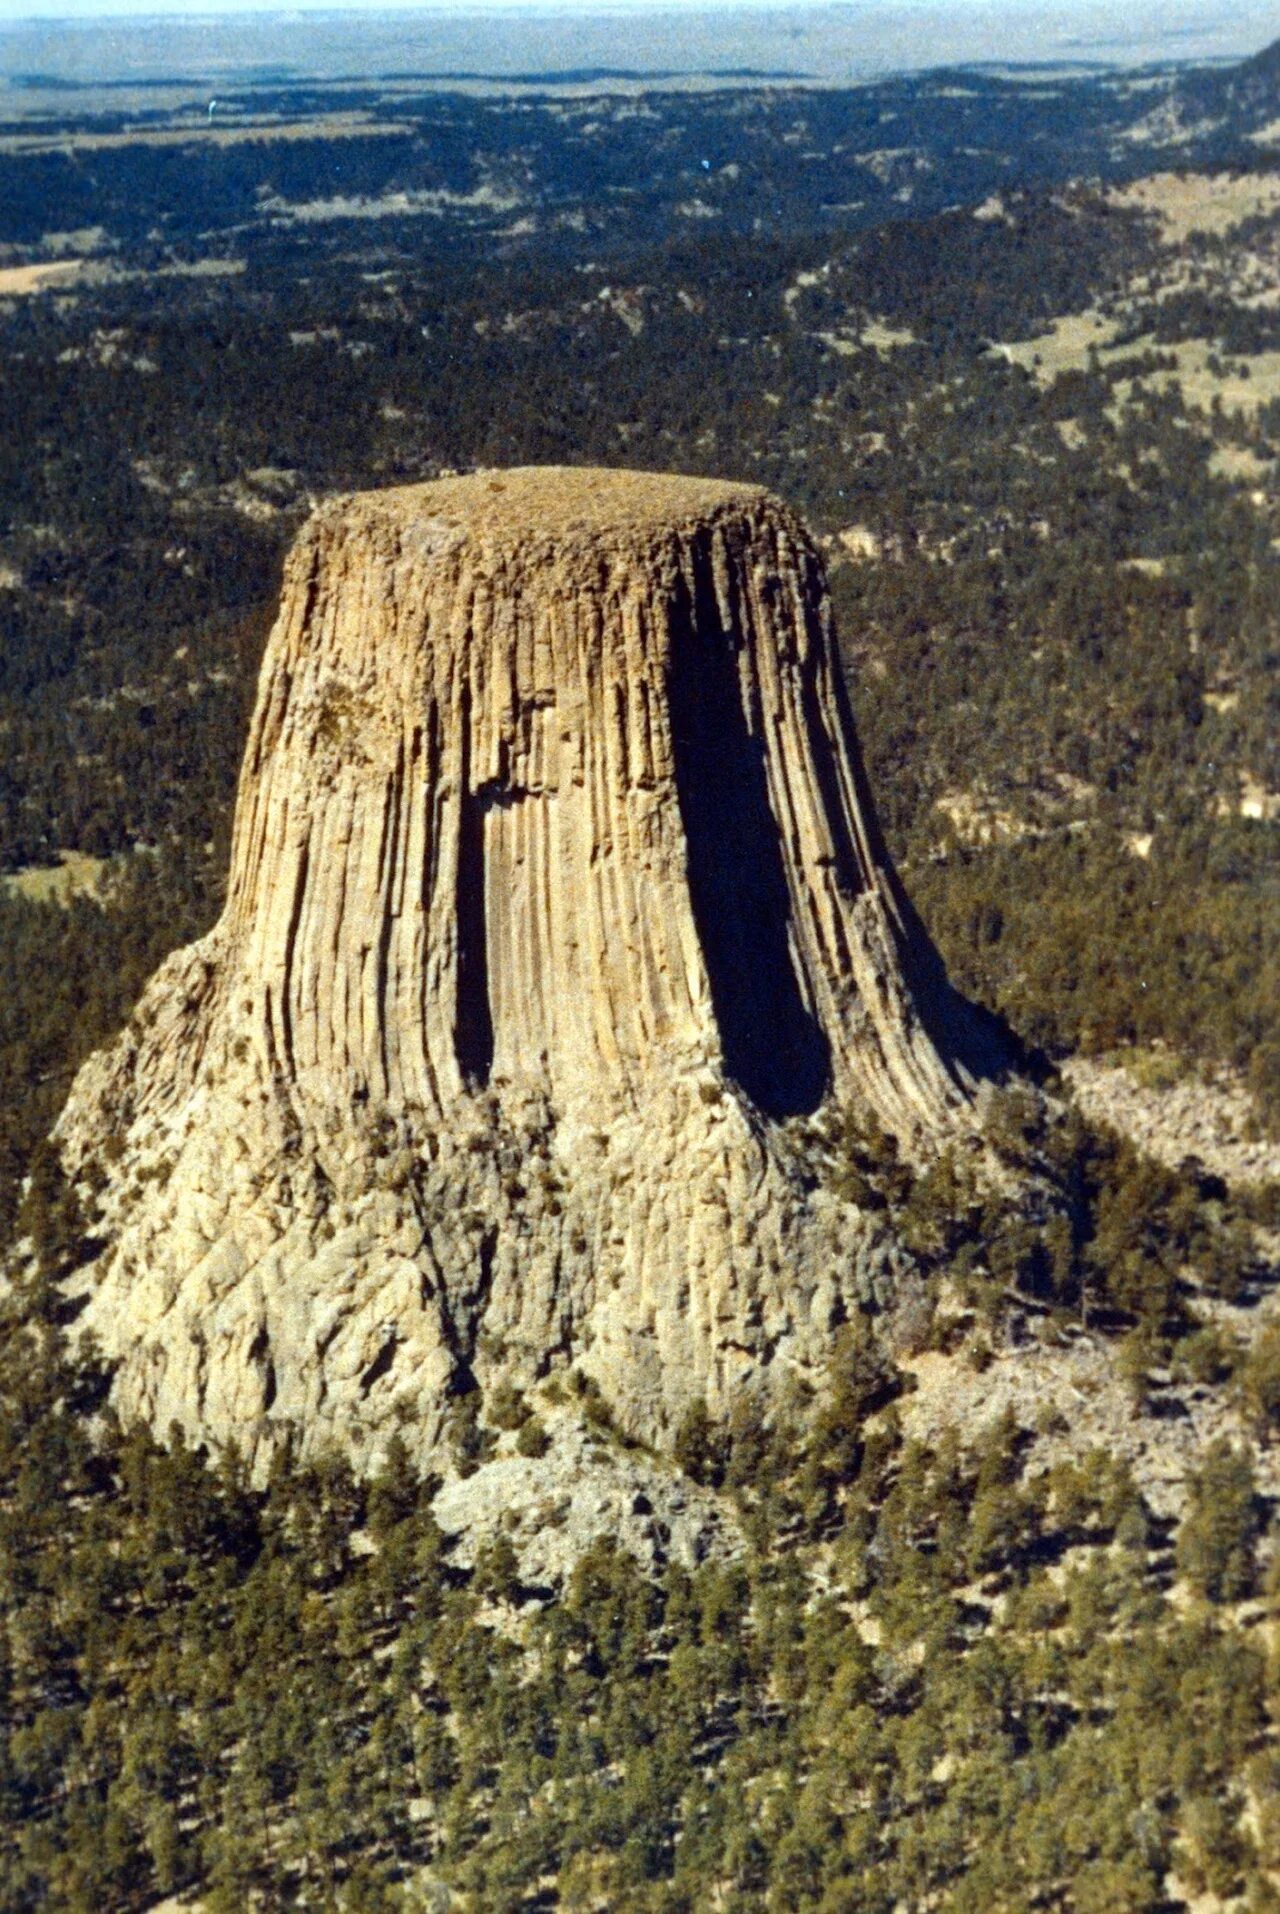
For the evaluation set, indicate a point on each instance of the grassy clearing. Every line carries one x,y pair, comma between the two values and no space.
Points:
884,337
326,126
1064,348
76,875
390,205
1243,385
17,281
1212,203
1239,462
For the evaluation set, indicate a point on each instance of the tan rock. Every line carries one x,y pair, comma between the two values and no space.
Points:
555,893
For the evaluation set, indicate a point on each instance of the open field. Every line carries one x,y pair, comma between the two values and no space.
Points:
208,132
487,198
74,276
17,280
1211,203
1240,383
76,875
1244,384
1239,462
1065,347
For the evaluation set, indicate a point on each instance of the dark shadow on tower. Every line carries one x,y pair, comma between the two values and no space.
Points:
974,1042
473,1020
773,1047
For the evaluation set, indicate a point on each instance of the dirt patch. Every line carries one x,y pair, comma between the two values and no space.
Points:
1256,801
859,541
977,821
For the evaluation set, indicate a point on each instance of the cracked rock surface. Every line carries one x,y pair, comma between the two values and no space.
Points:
556,907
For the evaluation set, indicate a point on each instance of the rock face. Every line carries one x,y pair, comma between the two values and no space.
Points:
555,895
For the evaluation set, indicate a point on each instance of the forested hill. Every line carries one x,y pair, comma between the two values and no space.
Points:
1235,105
578,166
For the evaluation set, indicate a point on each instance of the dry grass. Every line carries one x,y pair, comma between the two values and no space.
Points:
74,876
1064,348
76,276
17,281
326,126
1244,385
1238,462
884,337
874,336
487,198
1199,202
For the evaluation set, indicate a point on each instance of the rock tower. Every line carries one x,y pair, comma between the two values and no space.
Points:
555,897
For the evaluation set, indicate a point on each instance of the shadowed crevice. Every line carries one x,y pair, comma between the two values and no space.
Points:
290,947
773,1047
473,1022
380,1366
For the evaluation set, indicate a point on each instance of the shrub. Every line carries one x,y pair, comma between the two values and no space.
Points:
1258,1383
700,1447
1209,1355
1217,1542
532,1438
506,1407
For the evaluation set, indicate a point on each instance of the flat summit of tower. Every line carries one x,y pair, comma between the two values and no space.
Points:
553,501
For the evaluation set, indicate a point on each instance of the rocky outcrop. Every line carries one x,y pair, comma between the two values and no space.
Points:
552,1507
555,900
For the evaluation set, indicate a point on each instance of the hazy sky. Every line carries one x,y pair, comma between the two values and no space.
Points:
89,41
1207,18
13,10
16,10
